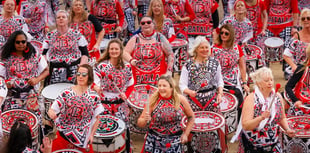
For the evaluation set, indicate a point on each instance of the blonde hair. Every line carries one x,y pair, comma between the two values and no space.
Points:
175,95
304,11
159,21
197,42
258,75
235,5
72,14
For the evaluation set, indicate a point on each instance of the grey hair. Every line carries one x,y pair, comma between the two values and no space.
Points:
62,11
304,11
197,42
258,75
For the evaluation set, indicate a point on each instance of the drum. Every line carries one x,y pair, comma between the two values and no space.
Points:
9,117
301,142
179,47
274,49
137,98
50,93
228,107
67,151
253,57
208,132
110,135
37,45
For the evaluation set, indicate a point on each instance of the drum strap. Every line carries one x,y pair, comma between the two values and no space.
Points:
17,91
117,101
207,90
199,104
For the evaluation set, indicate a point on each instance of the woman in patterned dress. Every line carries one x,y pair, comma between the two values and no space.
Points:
162,24
261,117
200,75
164,112
231,58
295,51
88,25
76,113
9,22
114,78
20,140
149,53
111,16
35,15
242,25
23,68
64,49
297,88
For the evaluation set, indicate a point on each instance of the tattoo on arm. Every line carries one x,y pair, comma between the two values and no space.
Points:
189,118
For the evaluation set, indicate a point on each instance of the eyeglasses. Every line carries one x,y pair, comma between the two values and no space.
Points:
226,33
18,42
304,18
84,74
145,22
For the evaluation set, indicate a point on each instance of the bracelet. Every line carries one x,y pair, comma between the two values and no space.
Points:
243,83
131,60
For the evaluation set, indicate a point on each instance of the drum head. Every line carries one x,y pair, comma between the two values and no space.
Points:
178,43
110,126
301,125
9,117
229,102
205,121
273,42
67,151
139,96
53,90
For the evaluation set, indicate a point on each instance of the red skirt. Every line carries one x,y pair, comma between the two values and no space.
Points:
61,143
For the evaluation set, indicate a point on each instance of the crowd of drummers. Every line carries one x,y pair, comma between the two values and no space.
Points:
83,75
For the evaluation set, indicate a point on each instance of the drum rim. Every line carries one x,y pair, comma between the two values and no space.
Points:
235,105
115,132
62,150
35,128
44,91
205,130
177,39
297,135
269,38
131,103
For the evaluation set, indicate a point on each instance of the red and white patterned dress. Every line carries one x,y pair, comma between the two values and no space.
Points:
63,54
19,70
268,136
3,93
165,127
77,115
181,8
8,26
254,15
110,96
36,11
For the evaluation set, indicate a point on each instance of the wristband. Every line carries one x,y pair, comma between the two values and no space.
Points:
243,83
131,60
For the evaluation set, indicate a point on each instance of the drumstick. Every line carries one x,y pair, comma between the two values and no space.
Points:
173,10
111,78
148,87
278,85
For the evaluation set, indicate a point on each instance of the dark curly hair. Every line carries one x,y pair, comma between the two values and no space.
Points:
9,46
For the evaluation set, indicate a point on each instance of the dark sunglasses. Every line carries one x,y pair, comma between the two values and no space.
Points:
304,18
18,42
226,33
84,74
145,22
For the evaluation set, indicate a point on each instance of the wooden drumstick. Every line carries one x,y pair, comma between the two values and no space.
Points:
148,87
278,85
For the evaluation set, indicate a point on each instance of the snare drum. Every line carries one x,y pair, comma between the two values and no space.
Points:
179,47
50,93
37,45
208,132
67,151
110,135
274,49
301,142
137,98
9,118
228,107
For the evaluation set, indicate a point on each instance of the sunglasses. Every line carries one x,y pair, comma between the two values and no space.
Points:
304,18
145,22
84,74
226,33
18,42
